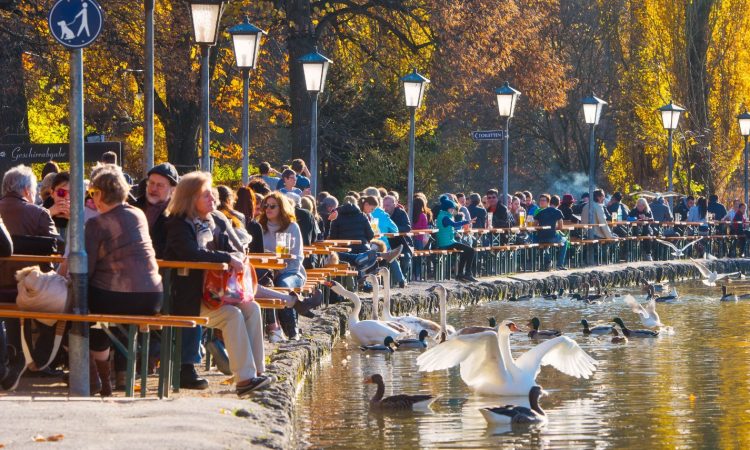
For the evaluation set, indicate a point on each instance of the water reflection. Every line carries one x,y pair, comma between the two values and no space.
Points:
687,389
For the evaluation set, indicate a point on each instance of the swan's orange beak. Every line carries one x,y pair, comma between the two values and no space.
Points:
512,326
367,380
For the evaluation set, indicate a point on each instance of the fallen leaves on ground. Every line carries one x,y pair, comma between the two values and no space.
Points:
53,438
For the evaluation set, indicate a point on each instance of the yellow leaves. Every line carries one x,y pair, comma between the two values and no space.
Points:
215,128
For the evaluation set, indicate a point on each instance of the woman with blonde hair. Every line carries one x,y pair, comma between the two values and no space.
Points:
193,235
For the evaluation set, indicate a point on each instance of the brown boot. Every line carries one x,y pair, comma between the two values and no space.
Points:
95,384
103,368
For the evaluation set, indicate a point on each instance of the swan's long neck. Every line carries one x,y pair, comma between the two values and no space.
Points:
443,311
379,393
387,296
506,362
375,299
534,403
354,315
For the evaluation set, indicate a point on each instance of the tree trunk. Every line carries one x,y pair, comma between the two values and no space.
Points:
14,123
302,40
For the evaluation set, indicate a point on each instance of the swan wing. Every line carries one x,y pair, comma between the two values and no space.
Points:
636,307
701,268
416,324
651,309
478,354
690,243
562,353
668,244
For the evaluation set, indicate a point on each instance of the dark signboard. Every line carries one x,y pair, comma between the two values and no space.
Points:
15,154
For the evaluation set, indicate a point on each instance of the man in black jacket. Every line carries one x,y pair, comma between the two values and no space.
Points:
401,219
160,183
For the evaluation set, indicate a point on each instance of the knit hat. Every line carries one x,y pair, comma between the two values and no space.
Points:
446,203
166,170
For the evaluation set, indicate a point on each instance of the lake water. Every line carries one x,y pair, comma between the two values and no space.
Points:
689,389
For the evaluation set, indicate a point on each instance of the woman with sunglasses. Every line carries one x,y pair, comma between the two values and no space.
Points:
58,203
123,275
277,216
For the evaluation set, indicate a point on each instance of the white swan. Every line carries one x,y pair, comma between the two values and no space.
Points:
413,323
365,332
488,367
445,329
649,316
710,277
373,279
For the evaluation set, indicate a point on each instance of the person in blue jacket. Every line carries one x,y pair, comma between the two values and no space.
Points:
446,238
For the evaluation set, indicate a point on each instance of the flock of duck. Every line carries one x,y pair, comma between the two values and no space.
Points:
483,354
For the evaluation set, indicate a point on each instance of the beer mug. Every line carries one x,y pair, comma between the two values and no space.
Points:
522,218
282,243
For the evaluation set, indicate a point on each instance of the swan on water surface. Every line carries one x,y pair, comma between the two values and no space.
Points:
364,332
488,367
413,323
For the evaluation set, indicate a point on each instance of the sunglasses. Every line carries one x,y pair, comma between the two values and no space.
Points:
91,191
61,193
270,206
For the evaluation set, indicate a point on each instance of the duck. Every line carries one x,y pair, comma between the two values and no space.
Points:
420,342
364,332
513,414
657,287
549,296
387,346
536,333
596,329
649,316
727,297
672,296
520,298
586,297
709,277
376,306
488,367
413,323
617,339
743,297
396,402
634,333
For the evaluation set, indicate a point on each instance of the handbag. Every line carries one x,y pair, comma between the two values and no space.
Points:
230,287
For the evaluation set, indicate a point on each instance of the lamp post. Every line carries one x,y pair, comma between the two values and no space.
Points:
670,118
315,67
414,86
506,105
205,15
744,122
246,40
592,111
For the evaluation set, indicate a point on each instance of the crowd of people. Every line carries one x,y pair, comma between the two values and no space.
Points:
187,218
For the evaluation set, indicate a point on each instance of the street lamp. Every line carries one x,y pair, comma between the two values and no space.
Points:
246,40
744,122
592,112
670,118
205,15
506,105
414,86
315,67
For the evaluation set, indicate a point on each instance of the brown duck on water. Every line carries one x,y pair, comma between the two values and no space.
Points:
402,401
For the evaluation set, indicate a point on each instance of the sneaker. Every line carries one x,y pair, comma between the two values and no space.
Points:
390,256
219,354
366,261
461,278
562,268
275,336
648,257
15,369
189,378
254,385
471,278
402,284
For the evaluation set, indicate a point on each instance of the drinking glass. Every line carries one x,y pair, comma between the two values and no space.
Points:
521,218
282,243
374,223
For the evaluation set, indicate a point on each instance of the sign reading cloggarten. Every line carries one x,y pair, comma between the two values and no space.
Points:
15,154
75,23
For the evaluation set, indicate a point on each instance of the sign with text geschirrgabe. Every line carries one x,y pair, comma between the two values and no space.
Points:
14,154
489,135
75,23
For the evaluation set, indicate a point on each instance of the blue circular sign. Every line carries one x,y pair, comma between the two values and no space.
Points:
75,23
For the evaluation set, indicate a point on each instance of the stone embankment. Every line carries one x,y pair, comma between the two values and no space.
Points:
291,361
